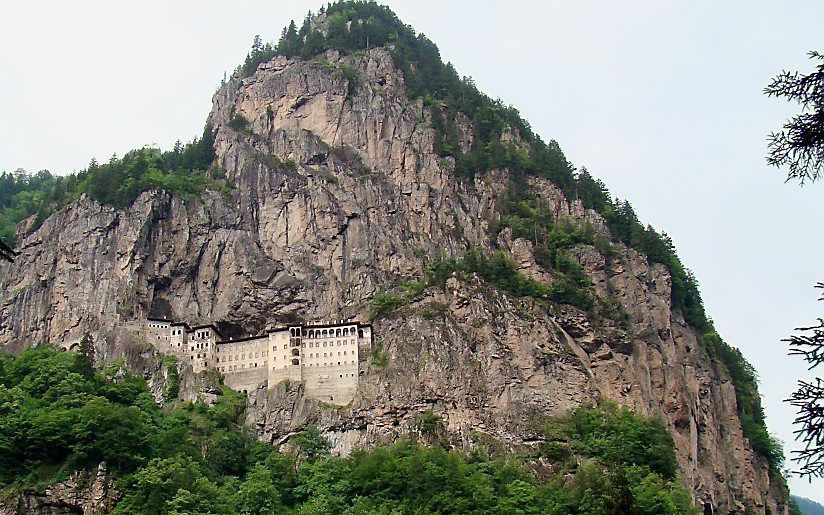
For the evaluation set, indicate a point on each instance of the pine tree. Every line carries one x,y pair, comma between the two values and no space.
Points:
800,143
86,355
809,398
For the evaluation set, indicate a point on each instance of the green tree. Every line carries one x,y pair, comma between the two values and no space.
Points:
800,144
153,487
809,398
227,453
258,494
800,147
202,496
311,444
86,355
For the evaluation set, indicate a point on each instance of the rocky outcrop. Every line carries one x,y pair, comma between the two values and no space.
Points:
337,194
83,492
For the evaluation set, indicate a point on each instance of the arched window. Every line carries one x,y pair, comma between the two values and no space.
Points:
360,333
345,331
337,333
295,361
295,352
311,334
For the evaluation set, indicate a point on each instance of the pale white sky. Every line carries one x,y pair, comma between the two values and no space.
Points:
662,100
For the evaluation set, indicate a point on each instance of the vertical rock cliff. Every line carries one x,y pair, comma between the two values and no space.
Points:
337,193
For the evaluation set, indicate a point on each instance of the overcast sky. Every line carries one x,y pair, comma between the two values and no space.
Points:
662,101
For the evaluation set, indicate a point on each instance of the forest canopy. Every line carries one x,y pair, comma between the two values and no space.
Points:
58,414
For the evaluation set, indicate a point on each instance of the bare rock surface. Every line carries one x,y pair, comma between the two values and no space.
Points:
337,194
85,492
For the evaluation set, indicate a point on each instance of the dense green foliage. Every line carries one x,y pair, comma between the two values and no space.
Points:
499,270
621,462
56,412
117,183
172,387
57,415
614,435
551,241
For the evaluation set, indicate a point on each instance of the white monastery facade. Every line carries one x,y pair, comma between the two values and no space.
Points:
325,356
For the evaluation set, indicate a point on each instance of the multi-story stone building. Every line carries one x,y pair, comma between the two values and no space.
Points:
323,356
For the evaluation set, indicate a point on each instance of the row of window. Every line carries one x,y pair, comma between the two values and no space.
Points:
332,333
329,364
234,357
231,368
264,354
199,346
331,344
235,367
311,355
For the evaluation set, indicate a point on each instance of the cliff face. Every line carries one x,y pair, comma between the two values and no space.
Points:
82,492
337,195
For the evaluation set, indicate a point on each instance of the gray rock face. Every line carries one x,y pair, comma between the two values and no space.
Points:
82,492
338,194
